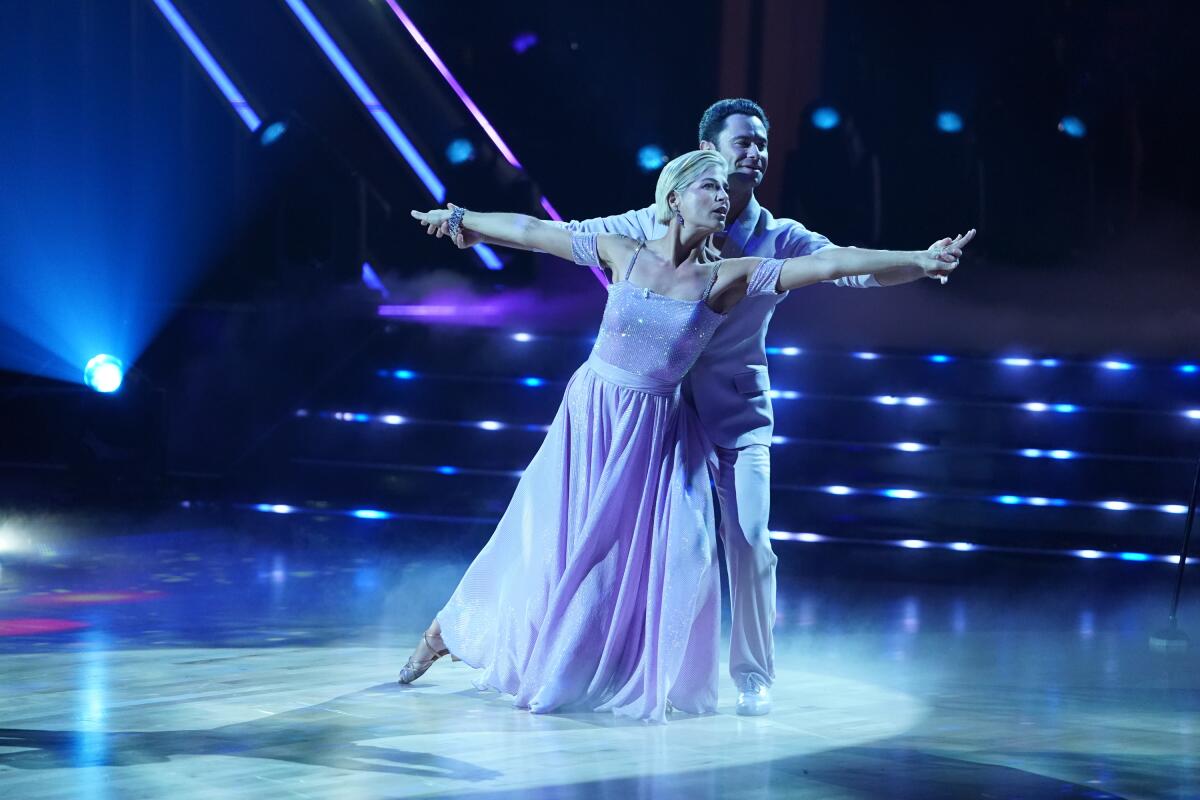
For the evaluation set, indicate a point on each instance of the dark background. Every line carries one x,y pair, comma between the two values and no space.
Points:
241,263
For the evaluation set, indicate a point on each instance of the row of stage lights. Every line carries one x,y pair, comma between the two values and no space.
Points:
372,514
911,401
1112,365
1054,454
837,490
827,118
652,157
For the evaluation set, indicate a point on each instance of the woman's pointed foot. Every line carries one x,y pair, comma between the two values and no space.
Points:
428,651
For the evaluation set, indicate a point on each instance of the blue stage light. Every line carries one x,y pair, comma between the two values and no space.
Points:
940,359
460,151
949,122
651,157
864,356
404,374
1072,126
1188,369
826,118
104,373
1017,362
272,133
534,382
275,508
370,513
448,470
523,41
1134,557
1065,408
1049,362
902,494
1116,365
1009,500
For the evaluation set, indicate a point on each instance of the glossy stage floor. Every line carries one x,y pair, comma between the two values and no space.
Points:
226,654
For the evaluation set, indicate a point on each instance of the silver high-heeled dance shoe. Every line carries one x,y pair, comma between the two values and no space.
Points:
415,668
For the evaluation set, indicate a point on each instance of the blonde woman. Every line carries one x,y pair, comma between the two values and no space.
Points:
599,588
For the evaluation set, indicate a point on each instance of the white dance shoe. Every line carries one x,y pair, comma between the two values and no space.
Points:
754,700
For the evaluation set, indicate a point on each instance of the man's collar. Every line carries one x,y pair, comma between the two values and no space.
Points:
742,228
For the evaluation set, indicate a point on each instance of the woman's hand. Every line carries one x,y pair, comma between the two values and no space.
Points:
437,221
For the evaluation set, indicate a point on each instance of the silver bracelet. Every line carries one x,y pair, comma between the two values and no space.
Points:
456,217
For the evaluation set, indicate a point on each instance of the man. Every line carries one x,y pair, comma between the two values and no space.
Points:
729,386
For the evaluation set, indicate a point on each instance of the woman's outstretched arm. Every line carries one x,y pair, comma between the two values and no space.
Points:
938,261
521,231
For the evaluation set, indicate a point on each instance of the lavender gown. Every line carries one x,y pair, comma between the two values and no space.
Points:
599,589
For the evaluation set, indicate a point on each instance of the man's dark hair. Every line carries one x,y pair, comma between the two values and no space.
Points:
713,121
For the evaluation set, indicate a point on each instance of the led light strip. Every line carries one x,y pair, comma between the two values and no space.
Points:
904,447
381,116
1009,361
838,490
911,401
971,547
374,514
210,65
935,358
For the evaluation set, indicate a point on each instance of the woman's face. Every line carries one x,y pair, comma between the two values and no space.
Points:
704,203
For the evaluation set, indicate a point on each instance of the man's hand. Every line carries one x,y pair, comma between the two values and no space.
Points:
941,258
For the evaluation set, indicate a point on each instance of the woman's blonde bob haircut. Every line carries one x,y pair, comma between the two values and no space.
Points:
679,173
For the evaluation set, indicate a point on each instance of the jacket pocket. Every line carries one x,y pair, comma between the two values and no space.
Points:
755,381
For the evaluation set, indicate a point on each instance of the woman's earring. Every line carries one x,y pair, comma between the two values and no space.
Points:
679,217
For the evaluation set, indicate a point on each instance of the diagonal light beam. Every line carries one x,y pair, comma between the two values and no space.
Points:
210,65
380,114
483,121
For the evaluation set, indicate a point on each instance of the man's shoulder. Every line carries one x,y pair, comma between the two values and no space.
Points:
767,220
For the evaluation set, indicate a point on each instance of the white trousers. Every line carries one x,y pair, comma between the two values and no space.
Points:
743,483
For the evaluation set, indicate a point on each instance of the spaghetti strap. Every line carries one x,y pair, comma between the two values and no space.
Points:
638,249
711,283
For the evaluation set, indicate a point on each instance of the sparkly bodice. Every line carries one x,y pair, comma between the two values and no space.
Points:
652,335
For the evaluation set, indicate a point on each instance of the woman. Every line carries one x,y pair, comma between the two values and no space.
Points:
599,588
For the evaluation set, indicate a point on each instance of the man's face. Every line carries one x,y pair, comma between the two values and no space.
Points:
743,143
